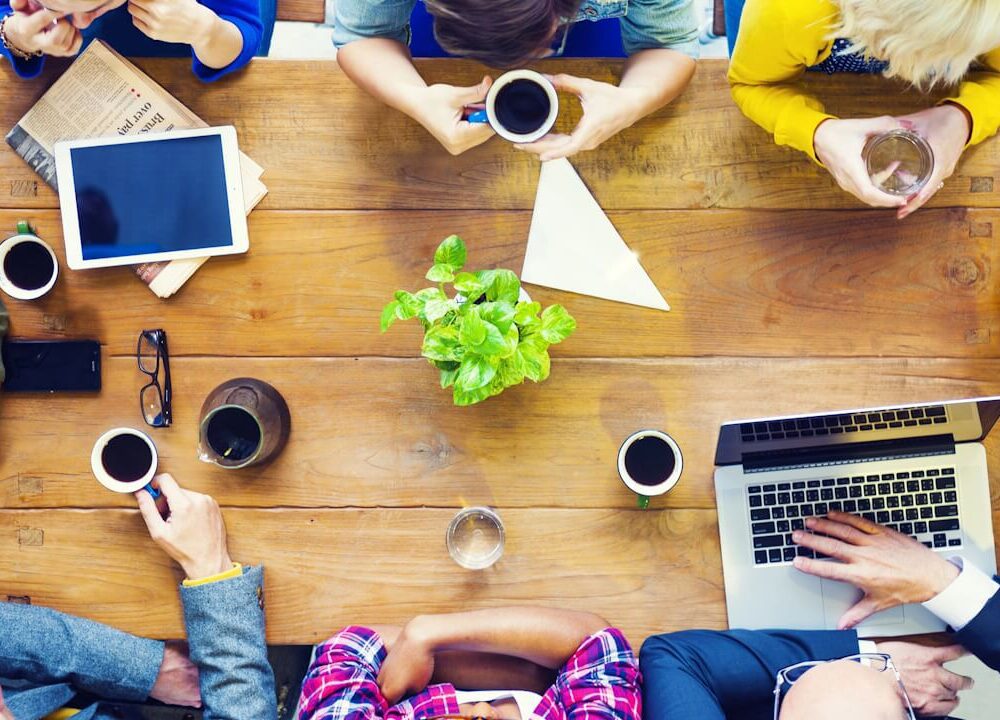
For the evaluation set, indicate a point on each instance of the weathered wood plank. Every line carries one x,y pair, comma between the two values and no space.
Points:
740,283
326,145
646,571
380,432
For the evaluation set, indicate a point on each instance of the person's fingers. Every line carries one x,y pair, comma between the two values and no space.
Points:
954,682
880,177
174,493
40,21
549,142
820,568
856,521
883,123
57,40
19,5
947,653
577,142
150,513
935,183
475,93
469,135
569,83
142,26
858,613
137,10
827,546
838,530
74,48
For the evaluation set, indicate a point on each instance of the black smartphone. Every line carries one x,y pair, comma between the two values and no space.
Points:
52,365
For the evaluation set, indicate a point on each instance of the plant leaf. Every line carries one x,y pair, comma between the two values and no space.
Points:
504,286
441,273
442,343
526,313
448,377
536,360
388,315
473,330
475,372
437,308
500,314
470,397
451,252
510,341
409,305
493,343
511,370
557,324
469,285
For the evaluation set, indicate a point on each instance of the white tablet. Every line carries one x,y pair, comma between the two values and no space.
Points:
145,198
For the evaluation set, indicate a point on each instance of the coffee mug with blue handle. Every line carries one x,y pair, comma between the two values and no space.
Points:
124,460
545,106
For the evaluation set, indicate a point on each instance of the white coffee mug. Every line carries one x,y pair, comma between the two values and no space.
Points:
490,114
644,492
6,285
112,483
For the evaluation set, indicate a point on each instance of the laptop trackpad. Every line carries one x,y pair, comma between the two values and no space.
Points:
838,597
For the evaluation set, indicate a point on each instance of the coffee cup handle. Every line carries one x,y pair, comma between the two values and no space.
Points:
153,492
479,117
642,501
24,228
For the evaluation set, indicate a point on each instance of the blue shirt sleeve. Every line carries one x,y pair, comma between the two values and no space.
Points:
245,15
361,19
670,24
26,69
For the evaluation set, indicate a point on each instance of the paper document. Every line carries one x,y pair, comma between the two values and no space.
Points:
573,246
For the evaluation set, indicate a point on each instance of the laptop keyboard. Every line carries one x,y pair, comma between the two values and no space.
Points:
842,424
920,503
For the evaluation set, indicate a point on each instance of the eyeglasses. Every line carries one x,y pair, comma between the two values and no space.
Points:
154,398
877,661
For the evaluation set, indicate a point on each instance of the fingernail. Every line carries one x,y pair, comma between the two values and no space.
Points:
810,522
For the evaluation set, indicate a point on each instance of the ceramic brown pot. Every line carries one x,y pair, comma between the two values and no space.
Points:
244,422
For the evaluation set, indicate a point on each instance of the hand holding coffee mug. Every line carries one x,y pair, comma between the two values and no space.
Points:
649,463
521,106
124,461
28,266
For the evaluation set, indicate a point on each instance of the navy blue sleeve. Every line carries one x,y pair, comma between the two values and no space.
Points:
981,637
711,675
26,69
225,627
47,647
245,15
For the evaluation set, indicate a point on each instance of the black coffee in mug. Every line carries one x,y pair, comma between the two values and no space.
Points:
650,460
233,433
126,458
522,106
29,265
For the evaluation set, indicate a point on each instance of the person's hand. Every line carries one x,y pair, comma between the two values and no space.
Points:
932,689
177,681
441,110
409,665
607,110
31,30
5,713
839,145
891,568
946,128
176,21
193,533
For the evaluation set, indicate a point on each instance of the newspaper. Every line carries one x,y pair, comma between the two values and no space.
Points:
104,95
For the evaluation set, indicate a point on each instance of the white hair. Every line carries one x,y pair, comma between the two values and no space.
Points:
926,42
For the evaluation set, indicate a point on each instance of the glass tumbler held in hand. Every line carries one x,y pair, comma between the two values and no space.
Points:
475,538
899,162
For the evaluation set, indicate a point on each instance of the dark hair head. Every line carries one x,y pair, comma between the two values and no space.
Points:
500,33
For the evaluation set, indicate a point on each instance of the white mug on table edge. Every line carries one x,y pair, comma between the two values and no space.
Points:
24,234
643,491
489,115
97,464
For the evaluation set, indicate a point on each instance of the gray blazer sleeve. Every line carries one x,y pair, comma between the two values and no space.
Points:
47,647
225,626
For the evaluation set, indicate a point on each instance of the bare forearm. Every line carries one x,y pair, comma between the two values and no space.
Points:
383,68
656,77
543,636
220,44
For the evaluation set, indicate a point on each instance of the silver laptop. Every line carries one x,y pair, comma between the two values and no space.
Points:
920,469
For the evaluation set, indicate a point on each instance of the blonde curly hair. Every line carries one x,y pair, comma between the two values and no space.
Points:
926,42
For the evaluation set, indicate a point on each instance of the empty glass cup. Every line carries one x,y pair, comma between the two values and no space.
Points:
475,538
899,162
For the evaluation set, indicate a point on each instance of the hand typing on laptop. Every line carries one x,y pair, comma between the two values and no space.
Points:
892,569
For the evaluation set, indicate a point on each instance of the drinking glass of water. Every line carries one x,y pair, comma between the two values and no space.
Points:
475,538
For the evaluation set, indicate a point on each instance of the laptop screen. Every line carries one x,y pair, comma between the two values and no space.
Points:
959,420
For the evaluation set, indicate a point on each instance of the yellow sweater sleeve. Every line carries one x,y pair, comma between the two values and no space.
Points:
235,571
778,40
979,93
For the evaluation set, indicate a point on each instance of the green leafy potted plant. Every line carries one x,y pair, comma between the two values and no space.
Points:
486,337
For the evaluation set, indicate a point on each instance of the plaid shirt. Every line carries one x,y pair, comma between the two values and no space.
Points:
600,682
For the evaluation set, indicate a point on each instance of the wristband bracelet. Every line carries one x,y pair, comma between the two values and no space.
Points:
12,49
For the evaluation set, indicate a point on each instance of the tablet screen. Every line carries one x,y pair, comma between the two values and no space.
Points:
151,197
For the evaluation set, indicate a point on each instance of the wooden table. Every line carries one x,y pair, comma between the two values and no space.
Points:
787,297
